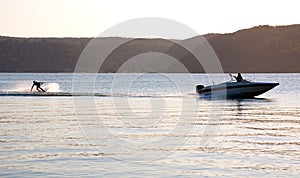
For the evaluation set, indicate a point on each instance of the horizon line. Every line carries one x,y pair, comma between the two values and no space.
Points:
53,37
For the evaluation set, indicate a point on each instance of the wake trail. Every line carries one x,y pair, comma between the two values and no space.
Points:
26,86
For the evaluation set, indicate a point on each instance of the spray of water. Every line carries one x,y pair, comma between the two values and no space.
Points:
26,86
51,87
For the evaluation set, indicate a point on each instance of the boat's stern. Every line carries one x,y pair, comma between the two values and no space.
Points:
199,88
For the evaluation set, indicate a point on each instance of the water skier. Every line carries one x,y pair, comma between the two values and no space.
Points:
38,86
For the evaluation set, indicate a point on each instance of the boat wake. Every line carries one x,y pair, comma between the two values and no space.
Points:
53,89
72,94
26,86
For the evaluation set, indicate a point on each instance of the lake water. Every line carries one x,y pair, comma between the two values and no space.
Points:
147,125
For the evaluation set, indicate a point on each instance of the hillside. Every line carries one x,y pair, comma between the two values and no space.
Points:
258,49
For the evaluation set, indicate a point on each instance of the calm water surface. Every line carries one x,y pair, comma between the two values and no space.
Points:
147,125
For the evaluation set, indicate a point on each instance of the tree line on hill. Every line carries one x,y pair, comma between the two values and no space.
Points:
258,49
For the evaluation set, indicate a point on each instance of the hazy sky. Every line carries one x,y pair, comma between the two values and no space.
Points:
88,18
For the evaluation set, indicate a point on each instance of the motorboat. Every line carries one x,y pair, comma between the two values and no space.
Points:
235,89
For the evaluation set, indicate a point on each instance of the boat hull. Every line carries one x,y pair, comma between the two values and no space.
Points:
236,89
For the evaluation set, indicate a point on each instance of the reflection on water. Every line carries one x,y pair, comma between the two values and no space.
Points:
241,104
253,138
43,136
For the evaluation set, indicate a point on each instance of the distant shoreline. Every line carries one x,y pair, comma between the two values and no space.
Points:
151,73
261,49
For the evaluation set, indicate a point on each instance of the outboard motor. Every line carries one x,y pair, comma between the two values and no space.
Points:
199,88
